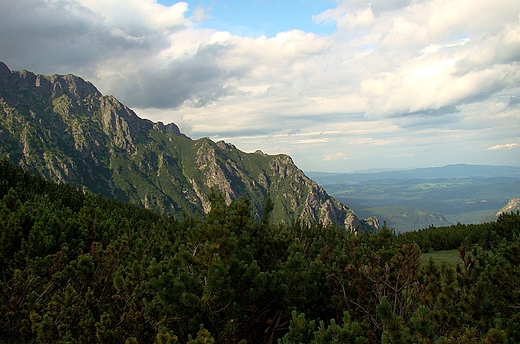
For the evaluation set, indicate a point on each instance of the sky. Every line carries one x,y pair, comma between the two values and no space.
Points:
340,86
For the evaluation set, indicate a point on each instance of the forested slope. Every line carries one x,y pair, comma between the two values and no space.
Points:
82,268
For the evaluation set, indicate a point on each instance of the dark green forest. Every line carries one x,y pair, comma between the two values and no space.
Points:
77,267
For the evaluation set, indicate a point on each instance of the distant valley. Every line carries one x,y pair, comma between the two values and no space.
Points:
418,198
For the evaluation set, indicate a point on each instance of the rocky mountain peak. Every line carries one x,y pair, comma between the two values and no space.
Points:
51,87
75,87
170,128
121,123
64,128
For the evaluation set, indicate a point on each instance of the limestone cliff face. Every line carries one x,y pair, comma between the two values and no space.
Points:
311,200
65,129
512,206
258,175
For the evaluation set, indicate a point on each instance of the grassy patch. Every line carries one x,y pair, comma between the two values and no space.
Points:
450,257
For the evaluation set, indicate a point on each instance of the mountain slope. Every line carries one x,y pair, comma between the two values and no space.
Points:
65,129
512,206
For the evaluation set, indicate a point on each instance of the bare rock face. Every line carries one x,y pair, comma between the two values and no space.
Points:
65,129
170,128
120,123
372,222
511,206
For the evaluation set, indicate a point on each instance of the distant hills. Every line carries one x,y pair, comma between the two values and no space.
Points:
419,198
404,219
62,127
448,171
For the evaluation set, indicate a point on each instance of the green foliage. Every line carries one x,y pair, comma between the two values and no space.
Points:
81,268
507,226
203,337
302,330
452,237
450,257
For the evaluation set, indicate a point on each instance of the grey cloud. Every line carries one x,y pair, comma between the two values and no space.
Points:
425,121
380,6
497,54
293,131
443,110
63,36
513,101
33,20
486,92
35,33
428,117
198,80
509,53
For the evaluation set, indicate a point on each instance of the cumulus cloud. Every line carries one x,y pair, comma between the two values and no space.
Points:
395,73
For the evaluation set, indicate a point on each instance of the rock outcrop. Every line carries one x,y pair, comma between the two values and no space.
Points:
512,206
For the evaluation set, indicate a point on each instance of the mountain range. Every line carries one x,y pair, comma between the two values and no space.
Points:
62,127
448,171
